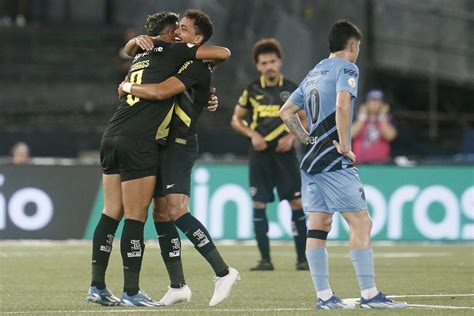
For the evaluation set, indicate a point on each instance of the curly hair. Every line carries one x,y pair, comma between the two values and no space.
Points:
156,23
202,23
266,46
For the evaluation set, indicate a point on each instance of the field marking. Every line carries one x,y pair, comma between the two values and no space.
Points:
224,310
357,299
80,252
440,306
233,310
431,295
165,310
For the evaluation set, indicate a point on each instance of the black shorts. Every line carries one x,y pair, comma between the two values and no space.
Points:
131,158
175,167
268,169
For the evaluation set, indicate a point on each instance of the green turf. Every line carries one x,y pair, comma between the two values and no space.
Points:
53,280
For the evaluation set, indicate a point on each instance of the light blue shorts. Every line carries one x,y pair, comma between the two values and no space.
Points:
335,191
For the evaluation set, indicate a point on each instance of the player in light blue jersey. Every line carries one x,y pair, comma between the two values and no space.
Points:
330,182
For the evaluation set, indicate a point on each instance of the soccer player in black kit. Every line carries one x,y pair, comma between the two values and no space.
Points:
272,161
176,161
129,158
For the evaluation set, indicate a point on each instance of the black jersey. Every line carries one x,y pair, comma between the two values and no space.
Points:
145,119
189,104
264,104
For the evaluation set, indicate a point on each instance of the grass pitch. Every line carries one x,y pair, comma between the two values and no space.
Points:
53,278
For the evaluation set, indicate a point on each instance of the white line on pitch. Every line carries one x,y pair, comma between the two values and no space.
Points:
432,295
164,310
357,299
27,254
440,306
248,310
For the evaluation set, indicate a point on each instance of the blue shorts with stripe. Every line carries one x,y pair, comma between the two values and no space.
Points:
335,191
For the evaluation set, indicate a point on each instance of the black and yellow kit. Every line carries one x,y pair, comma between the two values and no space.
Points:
269,169
177,158
129,143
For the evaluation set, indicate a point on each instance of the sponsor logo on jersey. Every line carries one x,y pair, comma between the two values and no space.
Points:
351,72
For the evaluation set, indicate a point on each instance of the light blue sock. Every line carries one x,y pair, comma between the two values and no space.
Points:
363,262
318,265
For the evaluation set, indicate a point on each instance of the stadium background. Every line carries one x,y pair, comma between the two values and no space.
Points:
58,90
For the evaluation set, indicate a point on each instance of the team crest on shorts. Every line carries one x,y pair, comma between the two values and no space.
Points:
284,95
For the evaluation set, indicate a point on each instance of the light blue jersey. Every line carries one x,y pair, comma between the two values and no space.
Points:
317,95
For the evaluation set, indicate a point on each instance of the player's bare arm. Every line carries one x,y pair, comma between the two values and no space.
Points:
289,115
144,42
154,91
286,142
239,124
343,122
213,102
161,91
217,54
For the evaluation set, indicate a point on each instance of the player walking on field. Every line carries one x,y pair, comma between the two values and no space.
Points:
273,161
330,182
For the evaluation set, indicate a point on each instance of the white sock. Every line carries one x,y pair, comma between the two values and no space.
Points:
369,293
325,294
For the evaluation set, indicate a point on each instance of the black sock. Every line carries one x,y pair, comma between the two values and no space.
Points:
298,225
101,248
132,249
202,241
260,225
170,245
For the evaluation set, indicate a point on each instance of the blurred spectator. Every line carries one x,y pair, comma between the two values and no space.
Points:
373,130
20,154
122,60
13,11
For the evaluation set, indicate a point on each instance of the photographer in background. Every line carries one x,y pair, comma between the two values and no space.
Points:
373,131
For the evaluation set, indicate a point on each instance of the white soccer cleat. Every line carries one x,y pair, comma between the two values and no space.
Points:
174,296
223,286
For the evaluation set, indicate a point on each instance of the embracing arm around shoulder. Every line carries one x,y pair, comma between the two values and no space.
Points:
154,91
215,53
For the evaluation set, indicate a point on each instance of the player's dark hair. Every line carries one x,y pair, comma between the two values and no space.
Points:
266,46
202,23
341,32
156,23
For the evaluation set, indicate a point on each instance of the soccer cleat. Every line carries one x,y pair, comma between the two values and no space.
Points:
223,286
139,299
263,266
333,303
302,266
102,297
174,296
380,301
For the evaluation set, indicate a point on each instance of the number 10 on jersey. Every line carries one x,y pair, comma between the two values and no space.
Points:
135,78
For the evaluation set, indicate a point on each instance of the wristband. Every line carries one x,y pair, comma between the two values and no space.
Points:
127,86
